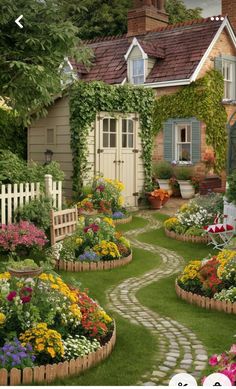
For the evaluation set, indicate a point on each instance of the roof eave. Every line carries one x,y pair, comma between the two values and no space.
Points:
165,84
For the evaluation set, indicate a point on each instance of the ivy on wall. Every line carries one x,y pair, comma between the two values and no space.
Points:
201,99
88,99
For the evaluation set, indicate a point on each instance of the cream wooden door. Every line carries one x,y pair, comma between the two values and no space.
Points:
117,141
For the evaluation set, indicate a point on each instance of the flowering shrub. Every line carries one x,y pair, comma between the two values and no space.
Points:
212,277
170,224
46,343
21,235
94,240
105,197
78,346
46,314
225,363
14,354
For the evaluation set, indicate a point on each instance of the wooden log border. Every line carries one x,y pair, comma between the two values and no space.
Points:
187,238
78,266
205,302
48,373
125,220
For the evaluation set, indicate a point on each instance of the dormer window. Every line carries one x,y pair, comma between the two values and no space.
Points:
137,71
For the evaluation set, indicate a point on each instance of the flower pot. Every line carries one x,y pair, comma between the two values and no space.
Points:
165,200
186,189
165,184
24,273
155,202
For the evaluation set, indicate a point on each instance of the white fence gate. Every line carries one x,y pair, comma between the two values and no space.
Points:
230,212
13,196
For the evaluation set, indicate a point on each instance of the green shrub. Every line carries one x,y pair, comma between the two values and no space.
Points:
15,170
231,191
36,211
195,231
20,265
183,173
212,202
162,170
180,229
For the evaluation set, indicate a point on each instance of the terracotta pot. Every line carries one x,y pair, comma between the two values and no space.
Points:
165,200
155,202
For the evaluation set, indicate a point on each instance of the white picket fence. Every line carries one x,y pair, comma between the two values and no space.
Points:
230,212
13,196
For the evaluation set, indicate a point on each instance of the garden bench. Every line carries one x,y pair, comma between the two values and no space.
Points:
63,223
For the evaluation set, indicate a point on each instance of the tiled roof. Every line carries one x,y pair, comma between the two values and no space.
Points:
178,49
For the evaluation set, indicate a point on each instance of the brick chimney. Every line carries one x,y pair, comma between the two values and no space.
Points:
229,8
145,16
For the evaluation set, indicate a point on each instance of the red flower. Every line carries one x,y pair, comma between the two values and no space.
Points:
26,294
93,227
11,295
100,188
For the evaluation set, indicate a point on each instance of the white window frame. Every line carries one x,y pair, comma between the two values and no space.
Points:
228,82
177,143
135,76
108,132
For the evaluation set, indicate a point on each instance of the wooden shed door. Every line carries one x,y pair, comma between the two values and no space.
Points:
117,152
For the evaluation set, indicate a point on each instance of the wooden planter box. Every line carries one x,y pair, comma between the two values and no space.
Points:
205,302
78,266
125,220
48,373
187,238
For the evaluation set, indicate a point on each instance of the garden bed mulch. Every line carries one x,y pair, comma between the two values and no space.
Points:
48,373
187,238
92,266
205,302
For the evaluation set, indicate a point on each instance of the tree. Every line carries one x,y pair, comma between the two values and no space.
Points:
179,13
103,18
31,57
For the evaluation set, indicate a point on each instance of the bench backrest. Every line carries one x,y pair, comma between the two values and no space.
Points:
63,223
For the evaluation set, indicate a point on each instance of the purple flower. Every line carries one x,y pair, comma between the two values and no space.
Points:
118,215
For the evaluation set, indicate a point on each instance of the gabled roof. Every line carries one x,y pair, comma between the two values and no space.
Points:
179,49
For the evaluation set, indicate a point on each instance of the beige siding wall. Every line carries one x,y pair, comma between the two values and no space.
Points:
58,118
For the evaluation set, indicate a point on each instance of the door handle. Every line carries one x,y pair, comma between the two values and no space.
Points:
99,151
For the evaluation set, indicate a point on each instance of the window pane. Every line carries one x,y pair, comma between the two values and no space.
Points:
130,144
105,125
105,140
124,122
184,152
130,126
112,125
112,140
124,140
138,80
138,67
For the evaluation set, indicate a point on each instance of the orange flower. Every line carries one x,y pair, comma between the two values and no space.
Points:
160,193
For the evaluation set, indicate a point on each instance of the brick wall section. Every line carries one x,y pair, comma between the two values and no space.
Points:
142,20
222,46
229,8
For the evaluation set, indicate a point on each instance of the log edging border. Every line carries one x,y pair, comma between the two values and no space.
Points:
78,266
205,302
49,373
187,238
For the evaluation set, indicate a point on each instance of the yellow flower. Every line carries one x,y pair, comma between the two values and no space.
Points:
5,276
51,351
120,200
2,318
54,286
40,347
224,257
79,241
108,220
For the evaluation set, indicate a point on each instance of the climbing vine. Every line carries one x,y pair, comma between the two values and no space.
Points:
88,99
201,99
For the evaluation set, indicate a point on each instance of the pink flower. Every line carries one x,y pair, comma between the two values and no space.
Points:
230,374
233,349
213,361
11,295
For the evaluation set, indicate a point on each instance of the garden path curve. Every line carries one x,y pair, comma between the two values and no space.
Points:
177,348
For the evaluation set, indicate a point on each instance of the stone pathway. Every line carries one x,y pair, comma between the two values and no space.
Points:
177,348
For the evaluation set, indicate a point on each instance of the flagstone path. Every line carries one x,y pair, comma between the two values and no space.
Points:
177,348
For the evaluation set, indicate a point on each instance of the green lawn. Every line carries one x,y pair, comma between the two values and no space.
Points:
133,354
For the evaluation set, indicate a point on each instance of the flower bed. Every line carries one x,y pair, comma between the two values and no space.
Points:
49,329
103,195
187,238
210,283
124,220
189,222
95,245
224,363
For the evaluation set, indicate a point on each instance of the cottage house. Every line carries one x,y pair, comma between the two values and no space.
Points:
155,55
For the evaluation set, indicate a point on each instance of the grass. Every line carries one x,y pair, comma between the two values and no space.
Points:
133,354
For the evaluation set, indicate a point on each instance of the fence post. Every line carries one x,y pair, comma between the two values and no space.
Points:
48,185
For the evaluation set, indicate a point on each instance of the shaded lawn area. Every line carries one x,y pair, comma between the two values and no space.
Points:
133,354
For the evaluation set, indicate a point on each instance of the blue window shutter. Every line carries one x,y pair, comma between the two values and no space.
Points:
168,131
196,141
218,64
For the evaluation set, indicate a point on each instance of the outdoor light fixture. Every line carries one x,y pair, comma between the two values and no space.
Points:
48,156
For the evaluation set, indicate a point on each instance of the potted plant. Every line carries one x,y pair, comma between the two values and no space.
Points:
184,176
157,198
163,171
209,159
26,268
